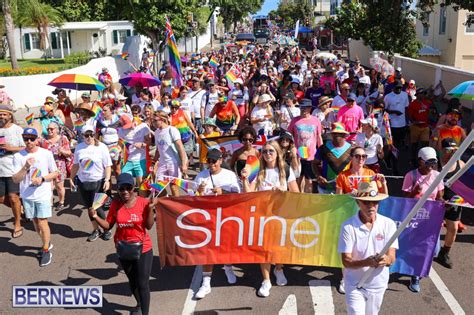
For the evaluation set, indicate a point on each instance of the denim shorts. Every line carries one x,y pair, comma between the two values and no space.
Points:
37,209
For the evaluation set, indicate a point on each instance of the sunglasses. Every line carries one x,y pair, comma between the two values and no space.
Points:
360,156
88,135
369,202
26,139
50,129
174,107
268,151
251,140
431,162
126,187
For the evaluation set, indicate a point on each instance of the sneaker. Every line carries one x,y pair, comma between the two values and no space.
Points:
264,290
107,235
60,207
45,258
204,290
229,272
414,284
40,251
444,260
341,287
93,236
280,277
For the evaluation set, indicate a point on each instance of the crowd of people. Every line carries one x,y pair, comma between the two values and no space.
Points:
328,123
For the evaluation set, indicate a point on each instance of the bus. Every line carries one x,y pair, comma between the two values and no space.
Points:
261,28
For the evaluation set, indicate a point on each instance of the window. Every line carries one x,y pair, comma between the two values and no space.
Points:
470,24
66,36
31,41
119,36
442,20
426,28
54,40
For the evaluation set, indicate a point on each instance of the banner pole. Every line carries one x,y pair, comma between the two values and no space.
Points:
456,156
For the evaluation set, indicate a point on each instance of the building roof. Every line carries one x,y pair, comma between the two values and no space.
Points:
97,25
429,51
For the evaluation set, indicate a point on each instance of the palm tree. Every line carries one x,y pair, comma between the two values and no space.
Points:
9,28
41,16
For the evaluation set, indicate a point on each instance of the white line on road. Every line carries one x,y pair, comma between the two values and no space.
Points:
447,295
321,293
190,303
289,307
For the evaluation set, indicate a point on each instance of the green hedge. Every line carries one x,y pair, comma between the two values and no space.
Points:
78,58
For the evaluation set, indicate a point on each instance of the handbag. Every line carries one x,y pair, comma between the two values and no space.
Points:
129,250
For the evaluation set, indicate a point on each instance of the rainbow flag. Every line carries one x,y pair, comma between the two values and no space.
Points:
97,111
78,124
124,55
376,111
233,73
29,119
388,131
253,164
145,185
303,152
213,62
124,148
99,200
175,59
114,151
36,173
457,200
159,186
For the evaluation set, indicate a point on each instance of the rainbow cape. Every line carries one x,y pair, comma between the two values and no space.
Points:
29,119
175,59
253,164
99,200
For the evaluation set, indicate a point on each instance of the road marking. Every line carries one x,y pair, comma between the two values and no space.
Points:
289,307
445,293
321,293
190,303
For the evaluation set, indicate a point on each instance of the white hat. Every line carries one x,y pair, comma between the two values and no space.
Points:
399,69
87,128
239,80
411,82
121,97
264,98
370,121
427,153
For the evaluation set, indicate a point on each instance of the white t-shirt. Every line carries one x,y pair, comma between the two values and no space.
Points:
225,179
258,113
356,239
44,165
196,98
152,102
132,136
164,142
285,112
397,102
338,102
213,99
186,105
13,137
272,180
370,146
109,134
92,161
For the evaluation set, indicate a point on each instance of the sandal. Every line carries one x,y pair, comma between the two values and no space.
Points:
17,233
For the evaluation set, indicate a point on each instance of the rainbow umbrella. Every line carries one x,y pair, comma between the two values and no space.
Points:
463,91
79,82
145,79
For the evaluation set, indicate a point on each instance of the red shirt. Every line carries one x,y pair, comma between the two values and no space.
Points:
130,222
419,112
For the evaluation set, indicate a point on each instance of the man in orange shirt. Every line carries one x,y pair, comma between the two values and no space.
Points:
450,129
418,113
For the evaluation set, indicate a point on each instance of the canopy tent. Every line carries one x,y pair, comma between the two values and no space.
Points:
303,29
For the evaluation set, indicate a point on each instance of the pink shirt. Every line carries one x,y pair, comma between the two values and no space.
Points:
307,133
424,181
350,117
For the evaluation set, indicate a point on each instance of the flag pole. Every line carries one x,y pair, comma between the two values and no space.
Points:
456,156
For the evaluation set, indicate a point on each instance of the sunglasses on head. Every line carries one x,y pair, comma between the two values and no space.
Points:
126,187
88,135
26,139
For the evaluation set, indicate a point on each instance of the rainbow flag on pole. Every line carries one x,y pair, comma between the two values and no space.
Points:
175,59
213,62
233,73
29,119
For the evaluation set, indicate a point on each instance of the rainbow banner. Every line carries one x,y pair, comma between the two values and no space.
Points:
283,227
29,119
175,59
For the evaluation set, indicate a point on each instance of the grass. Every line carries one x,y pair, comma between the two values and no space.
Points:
34,66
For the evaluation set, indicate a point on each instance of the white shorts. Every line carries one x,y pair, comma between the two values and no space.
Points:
363,302
168,169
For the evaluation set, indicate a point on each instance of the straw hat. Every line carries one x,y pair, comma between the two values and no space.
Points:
324,100
264,98
369,192
338,128
85,107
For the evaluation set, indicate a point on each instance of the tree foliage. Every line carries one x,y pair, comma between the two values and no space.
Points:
233,11
292,11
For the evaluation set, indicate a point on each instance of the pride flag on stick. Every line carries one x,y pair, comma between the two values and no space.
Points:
233,74
29,119
99,200
175,59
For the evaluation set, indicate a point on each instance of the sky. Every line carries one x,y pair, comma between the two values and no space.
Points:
267,6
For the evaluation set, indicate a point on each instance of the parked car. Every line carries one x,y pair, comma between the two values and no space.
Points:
245,37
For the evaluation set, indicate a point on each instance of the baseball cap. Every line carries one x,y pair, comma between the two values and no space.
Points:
398,84
214,154
125,121
448,143
306,103
427,153
30,132
87,128
86,94
125,179
370,121
351,97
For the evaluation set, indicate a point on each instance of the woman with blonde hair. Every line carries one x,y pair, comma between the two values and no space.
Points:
274,174
109,92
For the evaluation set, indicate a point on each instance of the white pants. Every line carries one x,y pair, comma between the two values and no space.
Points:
363,302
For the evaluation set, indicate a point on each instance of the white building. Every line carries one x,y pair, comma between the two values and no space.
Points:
108,36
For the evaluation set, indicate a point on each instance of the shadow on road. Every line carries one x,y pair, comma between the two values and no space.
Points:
15,250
